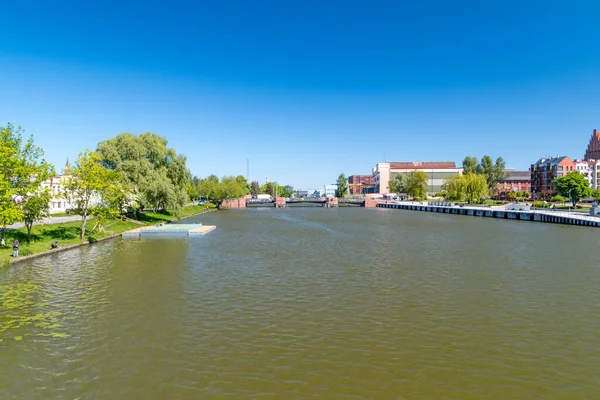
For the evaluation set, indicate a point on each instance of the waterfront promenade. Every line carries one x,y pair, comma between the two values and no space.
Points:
535,215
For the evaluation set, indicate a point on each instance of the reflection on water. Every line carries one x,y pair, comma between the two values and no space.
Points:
311,303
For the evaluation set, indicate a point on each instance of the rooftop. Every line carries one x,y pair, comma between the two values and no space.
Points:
423,165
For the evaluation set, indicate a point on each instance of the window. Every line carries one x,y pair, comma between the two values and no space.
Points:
59,204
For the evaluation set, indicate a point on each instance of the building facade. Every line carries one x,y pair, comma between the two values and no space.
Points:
329,190
545,171
437,173
585,168
59,203
359,184
593,150
515,181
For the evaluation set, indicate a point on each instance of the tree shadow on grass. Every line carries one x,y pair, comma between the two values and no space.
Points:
61,232
12,234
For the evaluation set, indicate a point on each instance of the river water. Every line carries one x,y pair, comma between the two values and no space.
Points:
311,303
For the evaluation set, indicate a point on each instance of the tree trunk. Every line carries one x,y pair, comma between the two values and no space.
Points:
28,226
3,231
84,219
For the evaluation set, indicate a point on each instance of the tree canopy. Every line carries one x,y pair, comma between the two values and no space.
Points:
156,174
494,172
342,186
573,186
22,170
470,187
94,189
217,191
414,184
255,188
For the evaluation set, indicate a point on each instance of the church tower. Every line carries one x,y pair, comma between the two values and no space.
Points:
67,167
593,149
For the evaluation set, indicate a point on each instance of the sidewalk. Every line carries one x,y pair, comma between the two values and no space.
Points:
48,221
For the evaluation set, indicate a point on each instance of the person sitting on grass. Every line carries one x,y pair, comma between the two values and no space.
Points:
16,248
54,244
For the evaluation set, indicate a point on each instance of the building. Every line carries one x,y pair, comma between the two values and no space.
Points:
515,181
593,150
59,203
437,173
329,190
545,170
585,168
360,184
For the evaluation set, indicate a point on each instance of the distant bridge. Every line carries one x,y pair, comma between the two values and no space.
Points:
319,201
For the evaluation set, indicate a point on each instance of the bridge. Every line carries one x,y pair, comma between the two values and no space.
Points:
318,201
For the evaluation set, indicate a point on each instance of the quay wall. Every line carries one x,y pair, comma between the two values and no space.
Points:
534,216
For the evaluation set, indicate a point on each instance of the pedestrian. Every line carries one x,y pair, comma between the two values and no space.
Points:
16,248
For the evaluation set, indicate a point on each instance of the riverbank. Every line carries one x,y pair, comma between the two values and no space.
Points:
67,234
553,217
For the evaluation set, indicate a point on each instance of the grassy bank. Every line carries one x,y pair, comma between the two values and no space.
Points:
67,233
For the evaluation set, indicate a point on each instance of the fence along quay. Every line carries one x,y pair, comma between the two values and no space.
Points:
520,213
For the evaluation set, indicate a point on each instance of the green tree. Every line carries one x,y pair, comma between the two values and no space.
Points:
469,187
269,189
22,171
36,207
218,191
286,191
241,179
511,196
573,186
93,188
494,172
416,184
397,184
193,188
595,193
470,165
254,188
558,199
342,186
155,174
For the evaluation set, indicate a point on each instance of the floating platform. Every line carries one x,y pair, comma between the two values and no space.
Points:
170,230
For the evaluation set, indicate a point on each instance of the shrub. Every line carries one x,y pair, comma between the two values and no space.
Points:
538,204
558,199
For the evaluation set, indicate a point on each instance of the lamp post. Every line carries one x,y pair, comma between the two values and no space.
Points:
570,190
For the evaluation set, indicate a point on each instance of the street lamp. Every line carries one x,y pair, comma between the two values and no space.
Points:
570,190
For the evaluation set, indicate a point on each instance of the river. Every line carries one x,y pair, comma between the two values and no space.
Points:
311,303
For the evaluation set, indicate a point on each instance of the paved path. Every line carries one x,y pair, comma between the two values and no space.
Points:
48,221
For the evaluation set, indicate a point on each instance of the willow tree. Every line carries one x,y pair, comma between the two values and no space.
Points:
469,187
155,173
22,171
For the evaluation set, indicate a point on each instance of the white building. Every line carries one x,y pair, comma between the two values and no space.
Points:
587,169
329,190
58,204
437,173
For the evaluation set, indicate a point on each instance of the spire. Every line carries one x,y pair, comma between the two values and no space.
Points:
67,167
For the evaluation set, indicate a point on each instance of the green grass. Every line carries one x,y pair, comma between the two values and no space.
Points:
67,233
63,214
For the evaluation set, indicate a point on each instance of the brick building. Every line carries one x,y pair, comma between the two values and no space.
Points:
359,184
545,170
515,181
593,149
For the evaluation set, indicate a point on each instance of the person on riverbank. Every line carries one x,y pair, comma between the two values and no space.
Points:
16,248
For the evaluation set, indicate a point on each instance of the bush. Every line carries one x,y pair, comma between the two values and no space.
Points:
538,204
558,199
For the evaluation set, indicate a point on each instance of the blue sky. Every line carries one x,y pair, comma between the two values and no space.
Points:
306,89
